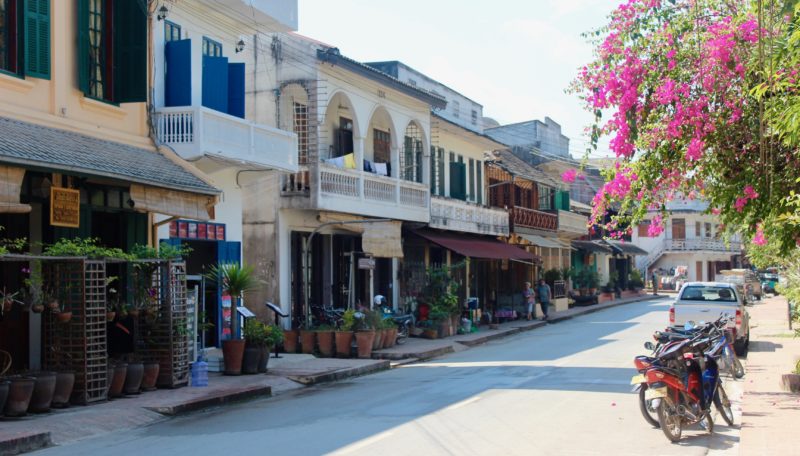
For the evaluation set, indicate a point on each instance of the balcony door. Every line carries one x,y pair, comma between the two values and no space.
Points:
678,229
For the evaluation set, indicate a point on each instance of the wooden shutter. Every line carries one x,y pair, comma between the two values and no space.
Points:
178,78
83,46
678,229
236,89
37,38
434,169
130,52
215,83
440,171
458,180
479,182
471,177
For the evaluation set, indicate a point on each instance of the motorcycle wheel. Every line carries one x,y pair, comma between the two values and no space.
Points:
723,405
648,412
737,370
671,421
707,423
402,334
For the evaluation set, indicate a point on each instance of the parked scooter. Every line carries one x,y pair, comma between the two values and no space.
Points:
403,322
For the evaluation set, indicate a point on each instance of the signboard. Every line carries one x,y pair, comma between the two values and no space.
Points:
65,207
366,263
184,229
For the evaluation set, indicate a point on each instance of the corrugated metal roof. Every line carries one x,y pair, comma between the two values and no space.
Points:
511,163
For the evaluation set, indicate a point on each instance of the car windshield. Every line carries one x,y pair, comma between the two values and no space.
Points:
769,276
708,293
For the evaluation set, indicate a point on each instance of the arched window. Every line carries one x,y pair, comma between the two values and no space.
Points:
411,160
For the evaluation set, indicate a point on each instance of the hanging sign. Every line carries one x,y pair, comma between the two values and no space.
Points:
65,207
366,263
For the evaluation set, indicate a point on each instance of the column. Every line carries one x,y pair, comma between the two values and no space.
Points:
358,152
395,284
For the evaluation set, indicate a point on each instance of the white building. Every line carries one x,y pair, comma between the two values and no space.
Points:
691,242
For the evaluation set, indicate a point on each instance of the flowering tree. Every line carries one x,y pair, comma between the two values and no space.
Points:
691,87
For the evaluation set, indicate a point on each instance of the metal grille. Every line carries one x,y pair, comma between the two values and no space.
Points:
301,130
81,343
97,49
411,159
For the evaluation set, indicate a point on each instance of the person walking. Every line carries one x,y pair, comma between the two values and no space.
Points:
530,300
544,293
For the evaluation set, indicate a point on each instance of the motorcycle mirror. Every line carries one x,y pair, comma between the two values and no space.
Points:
689,325
649,346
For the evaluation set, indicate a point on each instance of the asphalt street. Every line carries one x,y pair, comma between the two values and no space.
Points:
561,389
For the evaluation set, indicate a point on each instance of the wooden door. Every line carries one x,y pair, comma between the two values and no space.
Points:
678,229
699,270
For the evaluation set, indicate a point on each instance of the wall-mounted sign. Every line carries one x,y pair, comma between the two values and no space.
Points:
366,263
184,229
65,207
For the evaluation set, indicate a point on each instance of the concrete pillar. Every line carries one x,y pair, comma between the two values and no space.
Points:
395,284
197,70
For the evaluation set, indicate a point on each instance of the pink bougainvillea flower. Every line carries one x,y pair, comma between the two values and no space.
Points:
656,227
750,193
569,176
695,149
740,203
715,211
759,238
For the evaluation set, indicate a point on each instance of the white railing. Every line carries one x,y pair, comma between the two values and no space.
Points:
197,131
457,215
703,244
572,223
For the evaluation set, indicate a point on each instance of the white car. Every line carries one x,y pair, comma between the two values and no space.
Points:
705,301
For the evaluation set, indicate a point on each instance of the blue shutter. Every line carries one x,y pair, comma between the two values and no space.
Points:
236,89
178,80
215,83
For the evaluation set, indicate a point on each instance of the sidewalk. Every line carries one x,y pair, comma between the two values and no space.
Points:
769,414
288,373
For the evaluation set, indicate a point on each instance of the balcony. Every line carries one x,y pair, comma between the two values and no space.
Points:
456,215
197,131
530,218
357,192
702,244
572,225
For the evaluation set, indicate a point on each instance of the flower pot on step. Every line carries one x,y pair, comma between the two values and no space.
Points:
20,390
232,355
364,340
344,339
290,340
133,378
150,376
117,380
252,355
325,342
263,359
307,338
377,343
43,390
65,381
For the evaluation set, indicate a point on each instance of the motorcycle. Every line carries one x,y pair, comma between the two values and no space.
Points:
404,322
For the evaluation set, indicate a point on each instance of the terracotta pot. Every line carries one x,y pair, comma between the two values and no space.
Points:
790,382
134,313
325,341
133,378
43,390
65,381
53,304
344,339
252,355
150,376
110,316
391,338
430,333
290,340
263,359
3,394
64,317
364,340
117,380
307,338
20,390
37,308
232,355
7,304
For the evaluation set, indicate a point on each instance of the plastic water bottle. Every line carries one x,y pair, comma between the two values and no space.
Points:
200,372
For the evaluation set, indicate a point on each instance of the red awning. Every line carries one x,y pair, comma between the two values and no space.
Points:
476,247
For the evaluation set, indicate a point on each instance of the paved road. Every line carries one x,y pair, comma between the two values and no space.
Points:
562,389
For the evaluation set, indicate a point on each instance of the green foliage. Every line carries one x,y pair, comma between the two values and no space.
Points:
234,278
88,247
388,323
372,319
441,289
274,335
567,273
551,275
348,320
165,251
324,327
635,279
255,333
587,278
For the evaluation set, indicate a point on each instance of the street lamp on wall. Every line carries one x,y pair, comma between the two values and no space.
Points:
162,13
240,45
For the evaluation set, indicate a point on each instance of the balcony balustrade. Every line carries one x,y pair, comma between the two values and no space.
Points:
572,225
456,215
531,218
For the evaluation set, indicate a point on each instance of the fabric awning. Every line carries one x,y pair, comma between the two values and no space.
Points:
380,239
542,241
592,246
626,248
173,202
10,186
476,247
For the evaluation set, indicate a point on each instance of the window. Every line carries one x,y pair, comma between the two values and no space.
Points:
545,197
99,50
212,48
172,31
25,37
300,127
9,49
474,117
697,229
456,109
344,138
471,174
411,160
707,230
643,228
678,228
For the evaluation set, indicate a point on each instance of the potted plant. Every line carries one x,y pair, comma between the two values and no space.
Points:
567,273
365,335
390,327
344,336
43,389
592,280
290,337
791,382
117,371
255,336
33,290
234,280
273,337
551,275
20,391
635,280
307,339
325,340
65,377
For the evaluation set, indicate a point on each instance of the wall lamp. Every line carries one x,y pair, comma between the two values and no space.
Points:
162,13
240,45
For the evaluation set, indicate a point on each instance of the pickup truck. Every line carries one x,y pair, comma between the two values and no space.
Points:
705,301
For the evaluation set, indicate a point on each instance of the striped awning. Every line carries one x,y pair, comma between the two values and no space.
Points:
10,186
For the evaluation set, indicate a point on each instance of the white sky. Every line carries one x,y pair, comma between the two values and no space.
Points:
515,57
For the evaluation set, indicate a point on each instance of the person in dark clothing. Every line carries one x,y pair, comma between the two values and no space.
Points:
544,293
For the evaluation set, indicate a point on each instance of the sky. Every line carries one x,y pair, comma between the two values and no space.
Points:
515,57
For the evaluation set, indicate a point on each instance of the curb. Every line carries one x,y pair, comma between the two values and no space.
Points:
213,401
501,334
25,443
419,356
310,380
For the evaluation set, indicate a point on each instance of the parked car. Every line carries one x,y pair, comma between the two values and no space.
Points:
768,282
746,278
705,301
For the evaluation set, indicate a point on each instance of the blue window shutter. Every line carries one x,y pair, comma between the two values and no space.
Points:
178,80
236,89
234,252
215,83
37,38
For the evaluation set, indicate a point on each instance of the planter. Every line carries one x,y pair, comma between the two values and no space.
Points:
133,378
250,360
64,317
7,305
20,390
377,343
790,382
430,333
65,381
364,340
307,338
325,342
232,355
263,359
117,380
43,389
391,338
344,339
150,376
134,313
53,305
37,308
444,328
290,340
3,394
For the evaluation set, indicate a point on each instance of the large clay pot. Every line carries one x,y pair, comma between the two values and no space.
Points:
117,380
307,341
65,381
377,343
3,394
133,378
43,390
263,359
325,342
252,355
20,390
232,355
344,339
290,340
391,338
150,376
364,340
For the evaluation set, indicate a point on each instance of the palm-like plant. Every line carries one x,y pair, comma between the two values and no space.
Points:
235,280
